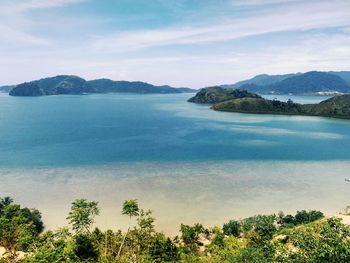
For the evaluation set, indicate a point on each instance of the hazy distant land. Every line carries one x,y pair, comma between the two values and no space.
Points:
309,83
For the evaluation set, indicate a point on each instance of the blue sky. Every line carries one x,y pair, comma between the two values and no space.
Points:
191,43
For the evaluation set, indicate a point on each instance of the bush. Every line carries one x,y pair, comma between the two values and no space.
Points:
232,228
84,247
163,250
304,217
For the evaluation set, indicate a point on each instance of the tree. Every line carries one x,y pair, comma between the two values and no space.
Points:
82,215
52,246
18,228
5,202
163,250
232,228
304,217
264,227
130,208
190,236
145,229
288,220
84,248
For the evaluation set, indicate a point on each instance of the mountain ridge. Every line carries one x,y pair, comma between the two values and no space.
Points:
71,84
308,83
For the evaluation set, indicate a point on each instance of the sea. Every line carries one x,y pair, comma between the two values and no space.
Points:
185,162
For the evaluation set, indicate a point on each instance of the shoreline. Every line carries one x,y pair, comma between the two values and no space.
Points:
218,191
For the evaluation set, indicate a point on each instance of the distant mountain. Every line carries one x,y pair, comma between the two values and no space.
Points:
217,94
5,89
310,83
67,84
300,83
260,80
345,75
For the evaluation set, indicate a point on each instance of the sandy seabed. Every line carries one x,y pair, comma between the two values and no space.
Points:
182,192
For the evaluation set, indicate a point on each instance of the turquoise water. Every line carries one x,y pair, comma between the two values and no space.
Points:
101,129
184,161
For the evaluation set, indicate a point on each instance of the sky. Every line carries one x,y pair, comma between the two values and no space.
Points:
184,43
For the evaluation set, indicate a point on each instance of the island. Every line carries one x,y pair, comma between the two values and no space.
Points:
336,107
218,94
68,84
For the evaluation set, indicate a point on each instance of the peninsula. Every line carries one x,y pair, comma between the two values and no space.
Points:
245,102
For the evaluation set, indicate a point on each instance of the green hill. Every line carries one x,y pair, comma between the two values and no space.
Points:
236,100
259,105
217,94
66,84
337,107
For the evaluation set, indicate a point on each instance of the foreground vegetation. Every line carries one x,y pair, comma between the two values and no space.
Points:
304,237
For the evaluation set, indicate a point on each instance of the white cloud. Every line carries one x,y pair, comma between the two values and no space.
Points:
303,16
17,25
260,2
192,54
15,6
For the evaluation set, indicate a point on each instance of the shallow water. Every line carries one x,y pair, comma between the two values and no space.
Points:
184,161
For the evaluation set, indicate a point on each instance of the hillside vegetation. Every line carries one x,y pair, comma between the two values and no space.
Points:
245,102
217,94
337,107
304,237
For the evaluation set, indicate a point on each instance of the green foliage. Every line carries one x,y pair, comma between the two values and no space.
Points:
219,240
19,227
5,202
53,247
326,241
131,208
163,250
288,221
303,217
190,236
264,227
232,228
84,248
305,237
82,215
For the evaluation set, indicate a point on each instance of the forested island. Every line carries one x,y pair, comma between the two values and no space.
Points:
67,84
245,102
307,236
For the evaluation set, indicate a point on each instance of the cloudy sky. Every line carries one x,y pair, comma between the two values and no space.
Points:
191,43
